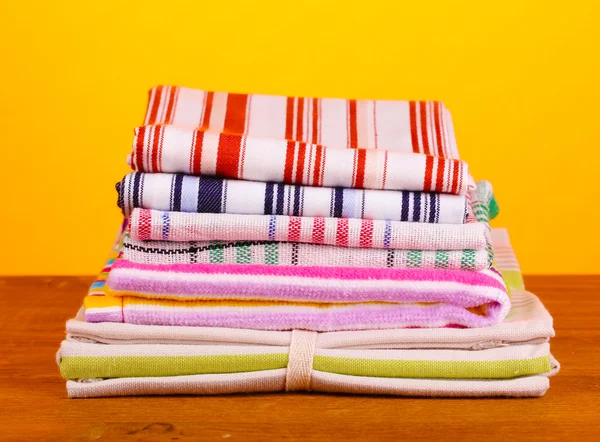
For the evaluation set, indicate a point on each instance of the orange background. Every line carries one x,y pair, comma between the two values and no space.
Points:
521,79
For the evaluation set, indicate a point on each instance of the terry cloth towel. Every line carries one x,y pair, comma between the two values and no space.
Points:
298,254
528,322
184,193
507,359
405,126
296,283
313,298
172,149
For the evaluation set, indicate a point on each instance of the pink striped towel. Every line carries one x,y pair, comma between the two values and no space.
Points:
148,224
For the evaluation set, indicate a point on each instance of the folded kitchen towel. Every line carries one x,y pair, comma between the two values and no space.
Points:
303,254
273,381
167,148
298,254
286,315
506,260
405,126
507,359
184,193
146,224
285,298
83,360
528,322
296,283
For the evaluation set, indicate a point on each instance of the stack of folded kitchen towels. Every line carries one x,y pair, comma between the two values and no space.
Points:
292,244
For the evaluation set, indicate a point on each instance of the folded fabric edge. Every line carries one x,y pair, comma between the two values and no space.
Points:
275,380
529,322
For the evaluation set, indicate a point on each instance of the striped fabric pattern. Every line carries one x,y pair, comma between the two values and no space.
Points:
98,287
528,322
298,254
406,126
184,193
506,259
280,298
222,352
174,149
312,284
155,225
286,253
507,262
81,360
342,361
285,315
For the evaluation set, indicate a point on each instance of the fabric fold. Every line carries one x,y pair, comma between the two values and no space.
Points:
294,244
396,125
298,254
204,194
172,149
82,360
287,297
507,359
148,224
528,322
274,381
284,298
311,254
296,283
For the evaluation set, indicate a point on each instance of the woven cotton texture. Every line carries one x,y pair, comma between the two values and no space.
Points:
285,253
298,254
512,357
285,298
275,315
528,322
243,360
405,126
82,360
273,381
148,224
172,149
184,193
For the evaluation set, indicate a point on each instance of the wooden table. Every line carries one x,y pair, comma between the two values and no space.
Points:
34,405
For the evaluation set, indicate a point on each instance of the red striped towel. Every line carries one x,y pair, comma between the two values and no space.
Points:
265,138
405,126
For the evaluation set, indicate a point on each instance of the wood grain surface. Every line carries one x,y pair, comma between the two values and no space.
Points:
34,405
